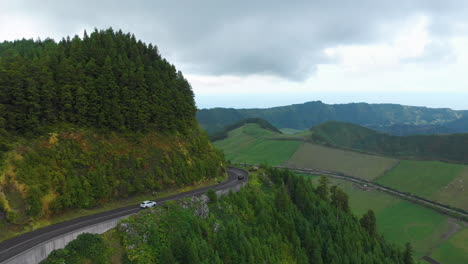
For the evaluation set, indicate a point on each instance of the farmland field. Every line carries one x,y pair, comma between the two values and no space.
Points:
440,181
248,144
454,250
399,220
456,192
348,162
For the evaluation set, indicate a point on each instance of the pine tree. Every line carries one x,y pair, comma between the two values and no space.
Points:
369,223
408,254
322,188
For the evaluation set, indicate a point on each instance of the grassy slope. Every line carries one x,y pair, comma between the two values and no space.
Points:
429,179
456,192
454,250
352,163
398,220
249,144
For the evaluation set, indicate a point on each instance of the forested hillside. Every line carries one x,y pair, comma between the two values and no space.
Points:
88,120
277,218
383,117
450,147
107,80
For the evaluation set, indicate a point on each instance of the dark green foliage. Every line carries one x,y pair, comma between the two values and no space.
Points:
261,122
280,222
212,196
34,202
456,126
86,248
369,223
107,80
303,116
433,147
339,199
408,254
322,189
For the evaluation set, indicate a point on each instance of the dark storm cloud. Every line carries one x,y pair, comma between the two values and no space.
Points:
282,38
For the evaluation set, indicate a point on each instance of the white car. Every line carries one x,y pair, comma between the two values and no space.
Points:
147,204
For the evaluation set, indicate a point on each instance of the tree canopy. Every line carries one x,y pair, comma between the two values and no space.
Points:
107,80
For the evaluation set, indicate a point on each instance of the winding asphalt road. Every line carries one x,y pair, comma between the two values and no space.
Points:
14,246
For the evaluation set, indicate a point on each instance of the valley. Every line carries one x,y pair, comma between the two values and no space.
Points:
431,233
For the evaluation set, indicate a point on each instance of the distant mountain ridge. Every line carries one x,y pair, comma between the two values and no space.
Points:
389,118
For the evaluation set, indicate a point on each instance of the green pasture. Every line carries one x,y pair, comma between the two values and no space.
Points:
352,163
398,220
435,180
454,250
250,144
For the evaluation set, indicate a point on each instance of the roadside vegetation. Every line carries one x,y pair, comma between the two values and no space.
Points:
277,218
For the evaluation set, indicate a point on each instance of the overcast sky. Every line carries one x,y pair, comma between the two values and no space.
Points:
269,53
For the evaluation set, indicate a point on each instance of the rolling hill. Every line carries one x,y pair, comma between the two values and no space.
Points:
449,147
251,143
87,121
384,117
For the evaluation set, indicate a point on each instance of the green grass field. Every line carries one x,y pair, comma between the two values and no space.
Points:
352,163
454,250
440,181
399,220
290,131
249,144
456,192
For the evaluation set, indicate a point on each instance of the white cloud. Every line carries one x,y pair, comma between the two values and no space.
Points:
275,47
410,42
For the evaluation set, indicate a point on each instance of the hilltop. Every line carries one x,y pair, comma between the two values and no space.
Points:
383,117
260,122
86,121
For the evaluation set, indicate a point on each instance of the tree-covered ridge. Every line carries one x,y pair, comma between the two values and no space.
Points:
277,218
89,120
107,80
382,117
450,147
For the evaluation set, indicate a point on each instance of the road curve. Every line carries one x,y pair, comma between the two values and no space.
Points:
14,246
